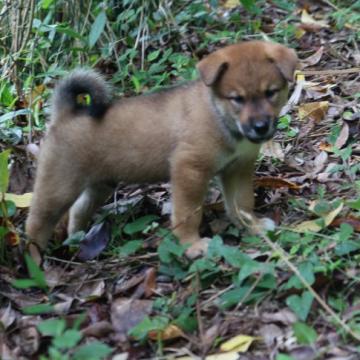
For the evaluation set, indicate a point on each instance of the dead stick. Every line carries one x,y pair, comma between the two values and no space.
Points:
331,71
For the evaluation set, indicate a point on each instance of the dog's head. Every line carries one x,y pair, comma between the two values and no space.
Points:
248,84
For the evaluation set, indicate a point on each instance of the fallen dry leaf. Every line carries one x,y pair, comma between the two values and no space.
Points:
343,136
171,332
239,343
315,225
273,149
319,163
12,237
275,183
91,290
296,94
314,110
307,19
95,241
148,286
284,316
230,4
314,58
350,219
271,334
126,313
21,201
7,316
98,329
325,146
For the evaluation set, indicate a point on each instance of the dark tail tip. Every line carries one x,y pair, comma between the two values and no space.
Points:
82,82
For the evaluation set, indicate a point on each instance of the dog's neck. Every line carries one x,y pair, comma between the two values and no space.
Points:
231,133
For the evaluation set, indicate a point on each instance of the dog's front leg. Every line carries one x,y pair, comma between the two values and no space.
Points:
237,184
189,183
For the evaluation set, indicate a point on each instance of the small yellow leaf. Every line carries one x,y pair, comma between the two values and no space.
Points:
299,76
230,4
21,201
329,218
171,332
307,226
306,18
299,33
324,146
239,343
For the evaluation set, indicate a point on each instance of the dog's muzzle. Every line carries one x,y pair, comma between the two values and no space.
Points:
260,130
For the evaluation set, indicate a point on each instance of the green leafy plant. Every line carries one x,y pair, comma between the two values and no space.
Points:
65,342
37,276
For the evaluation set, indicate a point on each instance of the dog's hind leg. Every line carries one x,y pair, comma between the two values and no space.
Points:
85,206
56,188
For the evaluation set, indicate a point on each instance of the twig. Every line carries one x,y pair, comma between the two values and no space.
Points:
328,2
331,71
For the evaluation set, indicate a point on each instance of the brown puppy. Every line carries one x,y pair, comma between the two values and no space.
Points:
189,133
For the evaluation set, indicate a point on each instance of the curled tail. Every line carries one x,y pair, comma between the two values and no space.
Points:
66,101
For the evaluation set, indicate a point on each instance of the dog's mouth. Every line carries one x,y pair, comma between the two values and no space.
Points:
259,132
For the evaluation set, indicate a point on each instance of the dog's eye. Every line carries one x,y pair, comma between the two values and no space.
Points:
270,93
239,100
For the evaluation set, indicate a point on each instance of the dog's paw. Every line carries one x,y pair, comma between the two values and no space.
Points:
198,248
262,226
267,224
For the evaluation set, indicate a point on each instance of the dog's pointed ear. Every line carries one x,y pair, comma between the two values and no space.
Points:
212,68
285,59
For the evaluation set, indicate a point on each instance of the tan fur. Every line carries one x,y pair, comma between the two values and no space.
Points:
182,134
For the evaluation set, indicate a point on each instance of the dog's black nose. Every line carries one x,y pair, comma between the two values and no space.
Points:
261,126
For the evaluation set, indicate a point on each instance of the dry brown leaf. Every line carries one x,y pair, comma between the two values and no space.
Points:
343,136
63,307
150,282
91,290
324,146
127,313
273,149
271,334
284,316
275,183
314,110
314,58
98,329
148,286
125,284
319,163
296,94
12,237
350,219
171,332
7,316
